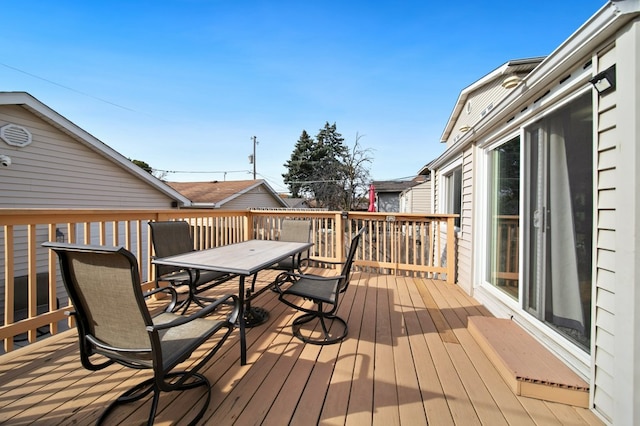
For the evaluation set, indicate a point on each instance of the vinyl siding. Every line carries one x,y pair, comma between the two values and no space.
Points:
465,246
481,102
256,198
606,137
57,171
417,199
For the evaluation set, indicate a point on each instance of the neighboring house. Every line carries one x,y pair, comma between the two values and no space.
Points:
49,162
545,178
388,194
230,195
295,202
417,199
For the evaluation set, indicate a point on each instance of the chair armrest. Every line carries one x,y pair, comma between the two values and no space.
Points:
174,296
315,259
311,276
232,317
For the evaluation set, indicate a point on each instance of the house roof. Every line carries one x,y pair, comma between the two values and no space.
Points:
512,67
296,202
393,185
28,102
597,30
216,193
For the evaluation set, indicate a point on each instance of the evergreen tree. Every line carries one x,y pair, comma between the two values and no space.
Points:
326,171
330,172
300,167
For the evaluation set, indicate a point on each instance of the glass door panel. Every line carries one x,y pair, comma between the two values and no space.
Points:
504,217
560,220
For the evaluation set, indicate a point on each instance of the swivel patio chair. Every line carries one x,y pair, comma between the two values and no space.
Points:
115,326
170,238
324,292
298,231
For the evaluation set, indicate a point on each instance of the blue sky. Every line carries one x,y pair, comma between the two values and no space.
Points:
185,84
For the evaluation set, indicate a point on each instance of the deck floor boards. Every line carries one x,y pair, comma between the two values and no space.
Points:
409,359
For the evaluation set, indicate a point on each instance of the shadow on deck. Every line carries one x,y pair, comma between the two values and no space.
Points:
408,359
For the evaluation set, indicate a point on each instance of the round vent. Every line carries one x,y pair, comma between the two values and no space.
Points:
15,135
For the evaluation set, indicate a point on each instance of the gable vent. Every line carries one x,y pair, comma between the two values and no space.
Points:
15,135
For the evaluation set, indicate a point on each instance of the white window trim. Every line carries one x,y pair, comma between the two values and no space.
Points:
443,184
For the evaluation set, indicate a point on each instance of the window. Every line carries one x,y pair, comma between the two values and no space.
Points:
453,188
504,217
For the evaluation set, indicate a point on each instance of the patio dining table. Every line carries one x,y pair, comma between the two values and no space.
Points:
245,259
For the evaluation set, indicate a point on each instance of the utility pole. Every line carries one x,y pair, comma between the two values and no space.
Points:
253,157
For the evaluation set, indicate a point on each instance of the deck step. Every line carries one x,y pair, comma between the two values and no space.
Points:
527,366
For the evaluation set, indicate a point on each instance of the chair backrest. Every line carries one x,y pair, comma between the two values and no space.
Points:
104,286
170,238
346,267
297,231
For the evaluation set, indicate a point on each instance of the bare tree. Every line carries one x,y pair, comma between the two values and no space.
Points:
357,177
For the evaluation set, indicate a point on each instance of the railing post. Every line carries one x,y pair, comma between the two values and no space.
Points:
9,287
340,219
451,251
248,226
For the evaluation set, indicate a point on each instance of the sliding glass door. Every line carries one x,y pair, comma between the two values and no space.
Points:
559,219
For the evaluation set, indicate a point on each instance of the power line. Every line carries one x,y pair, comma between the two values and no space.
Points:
201,171
68,88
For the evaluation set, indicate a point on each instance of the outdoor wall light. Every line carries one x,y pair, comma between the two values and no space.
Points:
605,81
511,82
5,160
464,129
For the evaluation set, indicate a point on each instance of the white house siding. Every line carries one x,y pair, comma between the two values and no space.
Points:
257,197
417,199
604,294
465,246
480,101
618,242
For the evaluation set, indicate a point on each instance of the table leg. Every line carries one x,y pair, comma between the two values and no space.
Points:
243,341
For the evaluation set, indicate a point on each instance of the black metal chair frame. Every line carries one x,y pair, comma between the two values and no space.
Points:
322,291
197,281
157,351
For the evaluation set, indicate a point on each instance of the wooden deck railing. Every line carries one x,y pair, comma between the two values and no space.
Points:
394,244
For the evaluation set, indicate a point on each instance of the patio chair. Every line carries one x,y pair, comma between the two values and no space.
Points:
324,292
298,231
115,326
170,238
291,230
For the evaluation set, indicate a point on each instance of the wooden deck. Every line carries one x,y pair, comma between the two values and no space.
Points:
408,360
